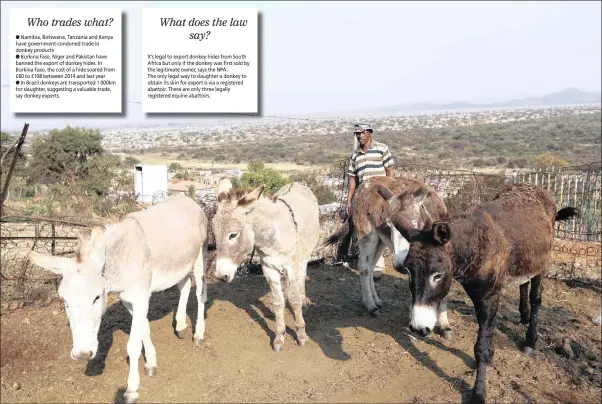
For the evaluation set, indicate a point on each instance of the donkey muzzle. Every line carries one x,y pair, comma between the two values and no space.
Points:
81,355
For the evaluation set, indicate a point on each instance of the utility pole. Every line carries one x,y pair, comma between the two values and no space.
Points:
12,167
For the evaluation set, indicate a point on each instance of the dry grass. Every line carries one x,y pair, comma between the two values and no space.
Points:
156,158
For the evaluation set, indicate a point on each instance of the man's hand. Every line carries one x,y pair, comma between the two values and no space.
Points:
348,207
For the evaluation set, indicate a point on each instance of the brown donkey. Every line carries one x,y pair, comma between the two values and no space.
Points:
369,215
506,241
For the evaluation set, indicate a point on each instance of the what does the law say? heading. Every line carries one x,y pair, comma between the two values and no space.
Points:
216,22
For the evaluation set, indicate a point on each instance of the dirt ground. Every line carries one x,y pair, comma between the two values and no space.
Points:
351,357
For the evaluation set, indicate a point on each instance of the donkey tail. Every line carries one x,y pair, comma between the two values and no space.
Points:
338,235
566,213
345,233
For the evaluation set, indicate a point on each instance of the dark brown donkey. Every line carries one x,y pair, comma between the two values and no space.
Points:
506,241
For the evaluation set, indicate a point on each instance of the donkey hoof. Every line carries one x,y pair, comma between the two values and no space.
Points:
477,399
379,304
150,370
301,341
278,343
528,351
307,303
180,333
448,335
130,397
375,312
198,341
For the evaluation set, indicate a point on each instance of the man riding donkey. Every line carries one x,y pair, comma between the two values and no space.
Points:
370,159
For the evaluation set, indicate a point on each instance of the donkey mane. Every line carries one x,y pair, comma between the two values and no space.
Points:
234,194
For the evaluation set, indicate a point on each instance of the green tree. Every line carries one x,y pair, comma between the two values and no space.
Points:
255,165
63,156
260,175
175,167
191,191
102,175
130,161
549,160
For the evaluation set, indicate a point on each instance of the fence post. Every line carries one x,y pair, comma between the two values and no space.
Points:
12,167
53,243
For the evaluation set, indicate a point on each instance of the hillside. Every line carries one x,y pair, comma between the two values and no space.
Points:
455,141
569,96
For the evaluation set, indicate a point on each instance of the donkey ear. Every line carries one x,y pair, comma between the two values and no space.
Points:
98,246
57,265
420,194
251,196
91,248
407,198
404,226
441,232
223,188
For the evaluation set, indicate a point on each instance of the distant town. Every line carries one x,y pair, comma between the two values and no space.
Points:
190,135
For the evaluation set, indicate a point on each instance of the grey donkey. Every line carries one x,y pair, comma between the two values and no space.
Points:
284,230
148,251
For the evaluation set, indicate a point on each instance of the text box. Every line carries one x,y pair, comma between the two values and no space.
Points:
200,60
65,60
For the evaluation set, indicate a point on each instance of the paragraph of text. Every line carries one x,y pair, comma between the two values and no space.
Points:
215,73
69,61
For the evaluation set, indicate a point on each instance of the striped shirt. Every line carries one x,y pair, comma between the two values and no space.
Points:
371,163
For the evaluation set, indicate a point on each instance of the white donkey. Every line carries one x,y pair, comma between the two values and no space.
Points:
148,251
284,230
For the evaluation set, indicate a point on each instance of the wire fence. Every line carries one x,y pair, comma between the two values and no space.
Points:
579,187
576,252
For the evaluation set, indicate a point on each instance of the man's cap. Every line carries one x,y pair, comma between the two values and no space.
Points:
360,127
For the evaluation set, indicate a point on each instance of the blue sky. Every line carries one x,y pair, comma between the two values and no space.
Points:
331,56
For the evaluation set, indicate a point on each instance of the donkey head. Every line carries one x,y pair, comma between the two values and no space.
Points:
82,288
428,262
233,231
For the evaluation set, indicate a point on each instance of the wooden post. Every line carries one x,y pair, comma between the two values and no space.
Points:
12,167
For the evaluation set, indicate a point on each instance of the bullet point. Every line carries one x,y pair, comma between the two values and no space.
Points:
17,81
17,56
17,36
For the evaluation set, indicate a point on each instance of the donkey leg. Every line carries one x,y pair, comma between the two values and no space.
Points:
304,299
134,346
377,260
295,280
535,300
443,321
184,285
486,311
150,353
201,296
273,277
367,249
523,305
